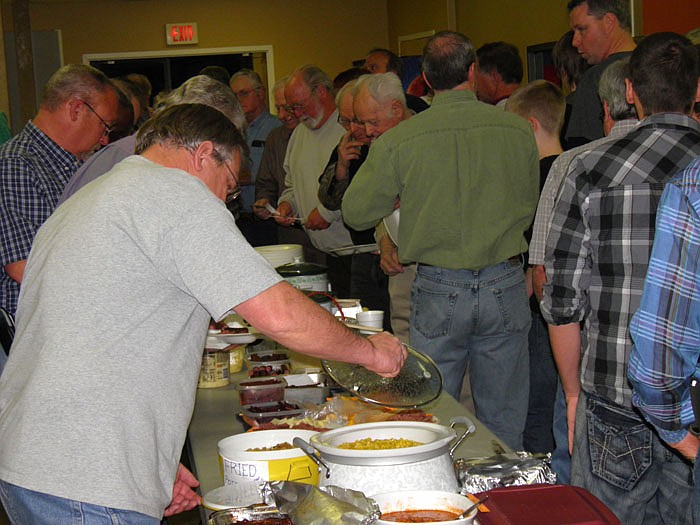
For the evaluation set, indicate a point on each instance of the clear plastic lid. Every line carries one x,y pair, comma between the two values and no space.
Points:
418,382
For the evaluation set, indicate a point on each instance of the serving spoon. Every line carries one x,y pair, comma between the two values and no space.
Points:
472,507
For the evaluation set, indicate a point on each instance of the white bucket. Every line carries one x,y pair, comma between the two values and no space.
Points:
246,470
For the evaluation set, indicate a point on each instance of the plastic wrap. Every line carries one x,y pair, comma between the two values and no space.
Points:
504,470
328,505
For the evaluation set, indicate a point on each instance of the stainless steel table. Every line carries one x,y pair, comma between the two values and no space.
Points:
215,417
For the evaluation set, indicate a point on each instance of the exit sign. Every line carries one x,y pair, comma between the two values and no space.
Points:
179,34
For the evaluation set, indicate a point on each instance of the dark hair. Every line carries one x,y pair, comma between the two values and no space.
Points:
75,81
447,57
393,60
502,57
219,73
599,8
124,125
567,60
664,73
187,126
143,89
346,76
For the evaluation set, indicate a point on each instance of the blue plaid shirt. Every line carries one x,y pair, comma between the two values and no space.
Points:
666,327
33,171
599,244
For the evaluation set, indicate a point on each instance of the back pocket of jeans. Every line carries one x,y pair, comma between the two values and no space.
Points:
620,446
433,312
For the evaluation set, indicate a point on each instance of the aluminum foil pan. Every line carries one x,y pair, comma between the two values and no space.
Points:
504,470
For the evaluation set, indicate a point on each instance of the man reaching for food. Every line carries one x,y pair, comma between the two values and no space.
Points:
117,295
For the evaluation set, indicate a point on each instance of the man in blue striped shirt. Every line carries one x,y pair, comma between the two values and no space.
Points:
666,327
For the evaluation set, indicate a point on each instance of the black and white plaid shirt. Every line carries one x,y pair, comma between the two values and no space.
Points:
600,240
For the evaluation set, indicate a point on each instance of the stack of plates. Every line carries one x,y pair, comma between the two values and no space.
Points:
279,254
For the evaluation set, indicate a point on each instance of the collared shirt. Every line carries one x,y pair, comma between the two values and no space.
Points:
666,327
468,177
548,197
600,240
256,134
33,171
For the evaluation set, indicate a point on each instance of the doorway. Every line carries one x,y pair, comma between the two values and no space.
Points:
168,69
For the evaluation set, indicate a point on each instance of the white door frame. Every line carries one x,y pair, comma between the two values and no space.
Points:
166,53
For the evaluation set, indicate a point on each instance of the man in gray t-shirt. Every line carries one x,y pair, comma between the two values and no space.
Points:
119,288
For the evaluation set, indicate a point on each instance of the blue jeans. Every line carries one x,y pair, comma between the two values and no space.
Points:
621,460
480,317
543,388
561,459
27,507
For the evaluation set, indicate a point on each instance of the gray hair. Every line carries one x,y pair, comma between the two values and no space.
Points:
251,75
202,89
75,81
612,89
280,84
382,87
189,125
347,87
447,57
314,77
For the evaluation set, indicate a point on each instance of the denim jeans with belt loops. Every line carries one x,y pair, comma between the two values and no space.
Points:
480,317
27,507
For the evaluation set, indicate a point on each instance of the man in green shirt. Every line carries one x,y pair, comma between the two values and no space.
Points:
467,177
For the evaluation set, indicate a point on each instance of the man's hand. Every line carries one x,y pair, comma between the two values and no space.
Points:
16,270
184,498
389,257
348,150
260,209
389,354
285,214
315,222
539,277
688,446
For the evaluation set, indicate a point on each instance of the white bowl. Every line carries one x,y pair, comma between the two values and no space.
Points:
280,254
424,500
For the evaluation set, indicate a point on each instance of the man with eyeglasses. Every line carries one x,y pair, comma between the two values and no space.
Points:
309,95
121,285
250,92
77,111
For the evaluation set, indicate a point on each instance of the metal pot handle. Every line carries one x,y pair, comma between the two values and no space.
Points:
311,452
462,420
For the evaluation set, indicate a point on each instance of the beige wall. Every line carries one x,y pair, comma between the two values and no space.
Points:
329,33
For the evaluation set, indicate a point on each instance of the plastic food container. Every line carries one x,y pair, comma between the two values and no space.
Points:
523,505
236,359
266,412
268,368
255,391
214,371
307,394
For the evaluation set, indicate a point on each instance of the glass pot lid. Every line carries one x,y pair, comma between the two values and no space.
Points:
418,382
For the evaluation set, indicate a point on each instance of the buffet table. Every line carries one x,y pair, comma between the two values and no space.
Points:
216,417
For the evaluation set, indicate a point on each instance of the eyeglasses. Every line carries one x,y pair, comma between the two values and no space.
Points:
108,127
345,122
299,107
245,93
235,193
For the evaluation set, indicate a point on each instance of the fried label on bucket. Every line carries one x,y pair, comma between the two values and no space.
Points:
249,471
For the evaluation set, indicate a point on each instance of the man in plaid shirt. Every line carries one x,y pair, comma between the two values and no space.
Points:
77,111
596,259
